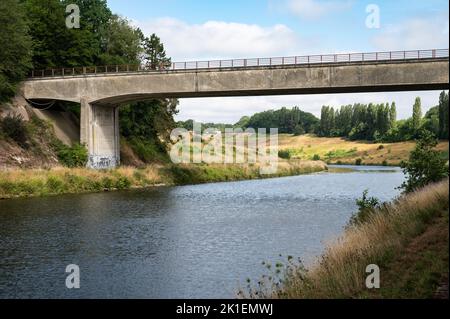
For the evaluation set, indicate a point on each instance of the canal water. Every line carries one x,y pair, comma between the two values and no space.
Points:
200,241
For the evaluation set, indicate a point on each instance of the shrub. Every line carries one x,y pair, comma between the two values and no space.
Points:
380,147
55,185
316,157
385,163
75,156
148,151
358,161
367,205
13,126
425,164
284,154
298,130
123,183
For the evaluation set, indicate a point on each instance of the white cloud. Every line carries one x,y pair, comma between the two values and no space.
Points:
231,109
418,33
218,39
314,9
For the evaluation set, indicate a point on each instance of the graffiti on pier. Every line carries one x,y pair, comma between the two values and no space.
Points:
102,162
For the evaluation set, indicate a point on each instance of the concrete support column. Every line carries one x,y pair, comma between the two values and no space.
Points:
100,133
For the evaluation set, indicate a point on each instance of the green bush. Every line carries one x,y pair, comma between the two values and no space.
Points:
358,161
286,154
75,156
316,157
367,205
425,164
148,151
123,183
385,163
55,185
13,126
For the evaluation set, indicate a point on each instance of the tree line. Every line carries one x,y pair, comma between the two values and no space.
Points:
372,122
287,120
34,35
378,122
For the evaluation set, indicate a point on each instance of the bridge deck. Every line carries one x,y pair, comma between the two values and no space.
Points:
245,64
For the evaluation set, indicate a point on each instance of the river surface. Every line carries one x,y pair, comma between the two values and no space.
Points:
200,241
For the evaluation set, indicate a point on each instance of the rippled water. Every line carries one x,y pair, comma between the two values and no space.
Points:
198,241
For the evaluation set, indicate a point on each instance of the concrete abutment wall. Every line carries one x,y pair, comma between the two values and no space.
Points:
99,131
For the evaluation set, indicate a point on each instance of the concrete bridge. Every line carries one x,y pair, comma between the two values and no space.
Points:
101,90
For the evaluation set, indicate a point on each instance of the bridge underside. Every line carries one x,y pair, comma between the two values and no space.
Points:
100,96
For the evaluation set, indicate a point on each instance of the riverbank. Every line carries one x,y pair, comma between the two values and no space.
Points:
407,239
15,183
336,150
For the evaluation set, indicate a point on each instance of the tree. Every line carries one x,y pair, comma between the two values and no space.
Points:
122,43
417,114
54,45
425,164
431,121
393,115
154,53
298,130
94,20
15,47
443,115
243,122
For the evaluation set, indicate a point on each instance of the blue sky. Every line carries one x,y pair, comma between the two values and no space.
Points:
200,29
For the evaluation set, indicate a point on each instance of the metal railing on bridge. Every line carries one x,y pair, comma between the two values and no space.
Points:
244,63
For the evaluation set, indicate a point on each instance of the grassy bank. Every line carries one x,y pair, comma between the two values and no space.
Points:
335,150
40,182
407,239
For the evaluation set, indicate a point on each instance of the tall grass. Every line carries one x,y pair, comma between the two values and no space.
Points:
42,182
340,271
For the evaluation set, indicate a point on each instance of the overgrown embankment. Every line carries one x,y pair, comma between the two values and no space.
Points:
407,239
53,181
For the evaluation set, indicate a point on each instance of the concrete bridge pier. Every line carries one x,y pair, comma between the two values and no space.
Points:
99,131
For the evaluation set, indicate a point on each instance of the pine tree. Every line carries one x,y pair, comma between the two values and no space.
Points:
155,54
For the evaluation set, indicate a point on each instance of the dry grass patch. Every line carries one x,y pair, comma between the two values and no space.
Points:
340,150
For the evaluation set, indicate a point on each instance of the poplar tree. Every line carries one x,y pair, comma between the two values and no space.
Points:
417,114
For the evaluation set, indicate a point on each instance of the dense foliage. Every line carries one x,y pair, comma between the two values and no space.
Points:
378,122
72,156
13,127
425,164
34,35
15,47
288,121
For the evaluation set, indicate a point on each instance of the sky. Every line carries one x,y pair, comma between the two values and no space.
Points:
221,29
